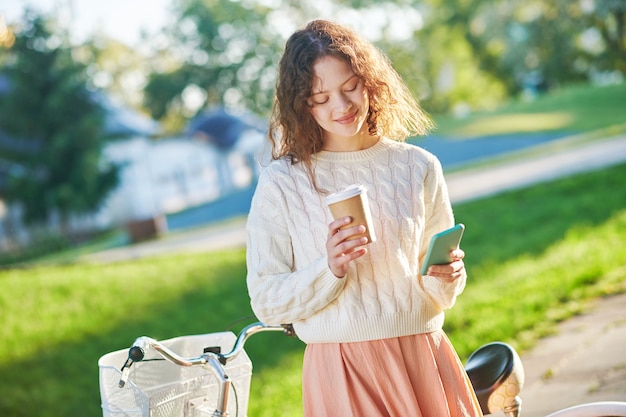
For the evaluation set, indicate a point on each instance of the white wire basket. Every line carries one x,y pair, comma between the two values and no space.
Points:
158,388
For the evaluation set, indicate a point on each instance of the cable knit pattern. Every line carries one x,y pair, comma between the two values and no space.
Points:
382,295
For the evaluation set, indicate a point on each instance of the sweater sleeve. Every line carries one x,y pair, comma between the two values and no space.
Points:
439,217
278,292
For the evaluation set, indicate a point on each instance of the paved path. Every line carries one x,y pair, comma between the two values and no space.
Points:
585,359
553,163
206,239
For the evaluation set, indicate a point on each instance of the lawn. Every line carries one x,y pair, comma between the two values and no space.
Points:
534,256
575,109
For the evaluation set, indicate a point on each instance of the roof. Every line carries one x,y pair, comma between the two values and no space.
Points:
222,127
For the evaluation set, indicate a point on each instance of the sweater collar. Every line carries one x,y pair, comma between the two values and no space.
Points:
353,156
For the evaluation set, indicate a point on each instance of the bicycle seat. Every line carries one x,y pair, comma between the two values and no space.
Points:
497,376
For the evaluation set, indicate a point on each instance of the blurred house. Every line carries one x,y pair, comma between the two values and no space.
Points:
232,134
214,157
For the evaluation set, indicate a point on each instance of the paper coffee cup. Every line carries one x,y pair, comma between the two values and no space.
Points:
352,201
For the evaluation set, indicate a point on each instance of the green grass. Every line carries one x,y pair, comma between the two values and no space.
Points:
534,257
572,109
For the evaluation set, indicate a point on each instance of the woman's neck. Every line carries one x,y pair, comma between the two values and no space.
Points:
350,144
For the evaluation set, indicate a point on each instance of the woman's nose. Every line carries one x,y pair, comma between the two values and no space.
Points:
343,103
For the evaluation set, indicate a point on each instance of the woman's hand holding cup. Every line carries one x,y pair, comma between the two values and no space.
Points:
343,246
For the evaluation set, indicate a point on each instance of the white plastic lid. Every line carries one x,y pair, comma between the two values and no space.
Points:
348,192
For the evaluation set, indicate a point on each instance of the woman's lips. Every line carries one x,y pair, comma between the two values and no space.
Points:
347,119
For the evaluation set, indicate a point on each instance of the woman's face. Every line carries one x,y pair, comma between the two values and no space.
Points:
339,104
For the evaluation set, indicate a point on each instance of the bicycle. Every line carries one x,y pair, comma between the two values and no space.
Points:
164,383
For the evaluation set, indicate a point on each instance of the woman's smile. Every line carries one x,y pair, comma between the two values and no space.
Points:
346,120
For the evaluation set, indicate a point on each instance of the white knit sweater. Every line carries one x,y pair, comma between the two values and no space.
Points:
382,295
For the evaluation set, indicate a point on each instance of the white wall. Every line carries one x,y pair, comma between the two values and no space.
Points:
169,175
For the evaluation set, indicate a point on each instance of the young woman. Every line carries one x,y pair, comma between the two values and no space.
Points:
371,322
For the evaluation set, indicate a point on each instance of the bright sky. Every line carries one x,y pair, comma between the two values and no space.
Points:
120,19
126,19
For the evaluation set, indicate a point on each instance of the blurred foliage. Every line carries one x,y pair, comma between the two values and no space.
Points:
457,56
116,68
220,53
460,55
51,128
558,41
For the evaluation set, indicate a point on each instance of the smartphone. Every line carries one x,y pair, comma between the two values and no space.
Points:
441,245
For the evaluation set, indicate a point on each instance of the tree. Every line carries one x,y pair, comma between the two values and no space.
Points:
116,68
557,42
51,128
470,52
226,52
608,18
223,53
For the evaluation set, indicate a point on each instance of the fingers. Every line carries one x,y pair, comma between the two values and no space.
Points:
343,246
457,254
336,232
448,272
337,224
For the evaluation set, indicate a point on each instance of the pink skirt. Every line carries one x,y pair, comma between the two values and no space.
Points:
416,376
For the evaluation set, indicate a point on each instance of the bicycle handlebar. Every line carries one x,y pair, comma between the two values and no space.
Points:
137,351
250,330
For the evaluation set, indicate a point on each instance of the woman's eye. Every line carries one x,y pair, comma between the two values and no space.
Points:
353,87
318,101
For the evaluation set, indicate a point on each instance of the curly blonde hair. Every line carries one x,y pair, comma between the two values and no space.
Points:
393,111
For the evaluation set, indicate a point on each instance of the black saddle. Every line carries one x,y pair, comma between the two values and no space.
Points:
488,368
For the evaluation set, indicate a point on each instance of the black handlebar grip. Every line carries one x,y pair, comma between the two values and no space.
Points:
136,354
